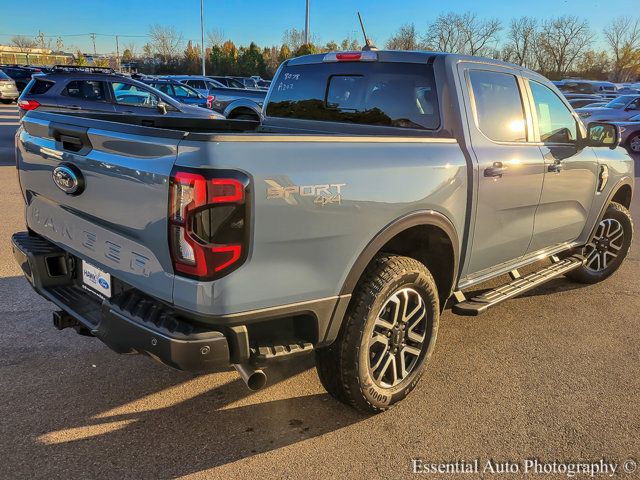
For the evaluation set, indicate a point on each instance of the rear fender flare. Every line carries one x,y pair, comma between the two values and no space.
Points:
418,218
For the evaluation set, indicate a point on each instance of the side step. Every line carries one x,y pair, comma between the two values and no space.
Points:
481,303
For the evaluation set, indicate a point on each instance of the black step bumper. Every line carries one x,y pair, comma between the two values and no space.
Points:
129,322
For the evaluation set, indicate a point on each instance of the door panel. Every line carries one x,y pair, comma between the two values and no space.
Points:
510,170
570,172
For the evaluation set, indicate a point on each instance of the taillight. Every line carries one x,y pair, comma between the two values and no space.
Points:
210,100
28,104
208,216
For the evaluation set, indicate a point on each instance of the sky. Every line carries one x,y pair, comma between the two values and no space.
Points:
264,21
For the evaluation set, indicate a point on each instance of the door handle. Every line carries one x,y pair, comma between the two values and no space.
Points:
496,171
555,168
74,107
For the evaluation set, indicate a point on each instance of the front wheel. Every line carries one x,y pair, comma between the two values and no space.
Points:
608,248
388,334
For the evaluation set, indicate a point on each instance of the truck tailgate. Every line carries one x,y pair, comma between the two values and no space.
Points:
117,220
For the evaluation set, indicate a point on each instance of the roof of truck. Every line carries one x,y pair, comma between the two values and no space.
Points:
410,56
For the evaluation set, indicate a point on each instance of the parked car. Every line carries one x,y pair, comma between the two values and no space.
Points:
605,89
228,82
233,103
579,102
630,133
8,91
94,90
261,82
593,105
248,82
622,108
380,186
20,74
180,92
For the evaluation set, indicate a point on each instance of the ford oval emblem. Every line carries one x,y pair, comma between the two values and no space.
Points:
68,179
103,283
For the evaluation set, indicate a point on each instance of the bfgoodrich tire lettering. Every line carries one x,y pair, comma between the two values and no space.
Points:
393,314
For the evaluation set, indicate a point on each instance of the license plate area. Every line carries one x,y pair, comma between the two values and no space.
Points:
96,280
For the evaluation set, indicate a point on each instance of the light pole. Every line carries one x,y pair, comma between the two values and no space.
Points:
306,25
202,35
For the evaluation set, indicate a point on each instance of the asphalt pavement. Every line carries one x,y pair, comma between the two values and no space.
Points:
552,375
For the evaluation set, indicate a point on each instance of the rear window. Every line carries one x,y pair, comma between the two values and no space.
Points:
40,87
86,90
385,94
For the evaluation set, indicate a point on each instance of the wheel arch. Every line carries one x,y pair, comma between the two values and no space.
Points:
621,193
242,106
427,236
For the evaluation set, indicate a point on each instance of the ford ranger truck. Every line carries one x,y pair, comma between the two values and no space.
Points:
378,188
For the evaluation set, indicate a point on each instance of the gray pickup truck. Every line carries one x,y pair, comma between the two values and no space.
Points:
379,188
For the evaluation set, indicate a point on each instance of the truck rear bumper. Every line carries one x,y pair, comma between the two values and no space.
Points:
129,322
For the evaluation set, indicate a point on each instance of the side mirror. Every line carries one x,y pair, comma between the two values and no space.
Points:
600,134
162,108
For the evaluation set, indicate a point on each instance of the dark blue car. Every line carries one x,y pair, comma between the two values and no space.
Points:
178,91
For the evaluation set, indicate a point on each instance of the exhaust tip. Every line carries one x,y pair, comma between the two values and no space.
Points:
254,378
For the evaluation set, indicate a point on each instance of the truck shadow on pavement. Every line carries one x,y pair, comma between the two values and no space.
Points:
90,412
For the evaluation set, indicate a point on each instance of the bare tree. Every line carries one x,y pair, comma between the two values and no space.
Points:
480,36
59,44
623,37
444,34
23,43
521,42
165,41
215,38
293,38
463,33
406,38
42,41
562,41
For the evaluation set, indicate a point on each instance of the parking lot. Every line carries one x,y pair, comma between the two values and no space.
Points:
552,375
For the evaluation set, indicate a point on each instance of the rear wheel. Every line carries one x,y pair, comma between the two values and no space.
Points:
608,248
388,335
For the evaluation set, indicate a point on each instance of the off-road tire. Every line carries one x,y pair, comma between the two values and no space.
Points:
344,367
620,215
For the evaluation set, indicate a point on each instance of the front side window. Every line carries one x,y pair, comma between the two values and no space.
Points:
91,90
555,121
499,110
127,94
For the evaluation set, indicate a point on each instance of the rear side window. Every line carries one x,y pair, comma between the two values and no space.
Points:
196,84
40,87
499,111
85,90
368,93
